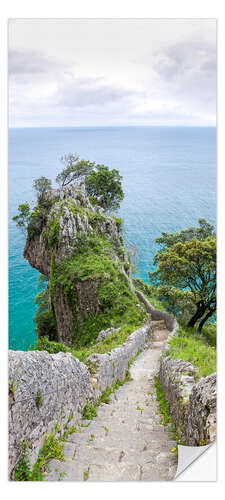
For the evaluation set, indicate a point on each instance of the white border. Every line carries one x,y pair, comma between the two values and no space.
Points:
113,9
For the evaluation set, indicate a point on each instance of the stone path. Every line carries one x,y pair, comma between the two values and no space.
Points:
126,442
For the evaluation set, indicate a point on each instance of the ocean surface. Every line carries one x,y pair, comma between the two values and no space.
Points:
169,179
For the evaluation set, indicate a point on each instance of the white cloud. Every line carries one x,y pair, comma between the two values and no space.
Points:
112,72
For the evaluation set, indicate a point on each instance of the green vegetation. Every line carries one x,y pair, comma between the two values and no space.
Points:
105,397
94,262
187,261
164,406
74,170
44,344
42,186
150,292
105,187
89,412
86,474
33,220
12,387
194,348
22,471
23,217
39,398
52,448
164,410
67,432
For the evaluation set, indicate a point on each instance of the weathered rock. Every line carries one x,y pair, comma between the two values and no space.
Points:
201,417
113,366
192,405
44,389
104,334
70,219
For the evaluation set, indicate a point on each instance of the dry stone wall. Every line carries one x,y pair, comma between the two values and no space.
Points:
113,366
45,389
192,403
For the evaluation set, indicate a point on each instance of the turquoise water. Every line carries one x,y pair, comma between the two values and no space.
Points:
169,178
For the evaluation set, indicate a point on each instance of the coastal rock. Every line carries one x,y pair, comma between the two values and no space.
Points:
71,220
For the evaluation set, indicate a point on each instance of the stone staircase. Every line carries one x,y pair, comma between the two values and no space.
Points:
126,441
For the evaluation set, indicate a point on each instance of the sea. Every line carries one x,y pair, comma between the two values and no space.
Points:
169,180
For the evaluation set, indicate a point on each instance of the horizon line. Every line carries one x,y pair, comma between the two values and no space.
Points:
112,126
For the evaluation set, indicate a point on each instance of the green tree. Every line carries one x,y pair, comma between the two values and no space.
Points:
23,218
42,186
189,264
201,232
105,187
175,300
75,169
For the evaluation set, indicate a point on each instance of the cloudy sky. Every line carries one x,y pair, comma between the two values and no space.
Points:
111,72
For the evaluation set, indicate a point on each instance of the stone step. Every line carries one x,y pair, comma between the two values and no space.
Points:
126,441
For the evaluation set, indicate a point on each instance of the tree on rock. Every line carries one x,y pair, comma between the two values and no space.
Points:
75,169
42,186
23,218
105,187
189,264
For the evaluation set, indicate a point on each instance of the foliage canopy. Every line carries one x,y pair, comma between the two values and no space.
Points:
105,187
42,186
187,261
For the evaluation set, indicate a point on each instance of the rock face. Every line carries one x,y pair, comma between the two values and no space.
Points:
46,389
69,222
192,405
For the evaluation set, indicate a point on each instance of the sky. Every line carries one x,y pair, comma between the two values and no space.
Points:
70,72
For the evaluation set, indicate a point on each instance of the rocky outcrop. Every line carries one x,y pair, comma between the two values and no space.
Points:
46,389
71,216
192,403
69,221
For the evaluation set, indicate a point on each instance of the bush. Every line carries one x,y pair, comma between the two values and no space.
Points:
44,344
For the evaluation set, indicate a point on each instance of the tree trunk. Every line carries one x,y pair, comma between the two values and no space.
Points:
201,308
207,316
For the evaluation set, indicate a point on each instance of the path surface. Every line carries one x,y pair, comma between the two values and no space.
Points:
126,442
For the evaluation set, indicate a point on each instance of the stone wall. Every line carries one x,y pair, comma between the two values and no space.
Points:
156,314
42,386
113,365
192,403
47,388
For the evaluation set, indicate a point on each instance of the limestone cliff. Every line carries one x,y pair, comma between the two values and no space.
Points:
80,250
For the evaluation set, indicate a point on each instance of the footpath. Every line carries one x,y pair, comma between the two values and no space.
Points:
126,441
